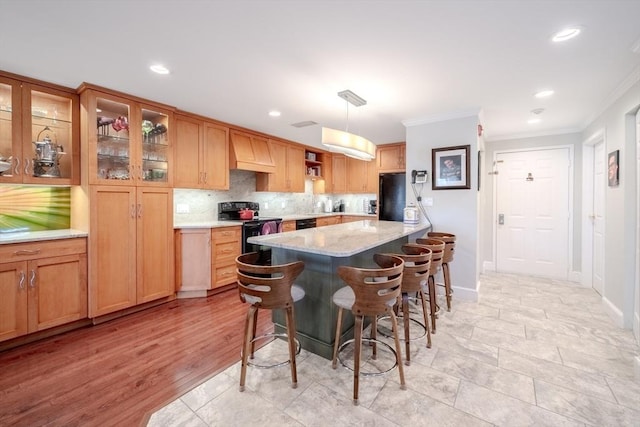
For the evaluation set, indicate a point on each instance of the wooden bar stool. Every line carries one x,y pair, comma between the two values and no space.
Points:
370,292
268,287
437,253
449,247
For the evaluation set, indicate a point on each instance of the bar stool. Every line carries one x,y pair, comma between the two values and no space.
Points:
449,247
268,287
437,253
370,292
417,265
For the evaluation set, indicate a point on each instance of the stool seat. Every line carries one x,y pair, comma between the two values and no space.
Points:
449,249
437,253
268,287
345,298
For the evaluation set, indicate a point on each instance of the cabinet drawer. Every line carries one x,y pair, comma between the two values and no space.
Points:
226,249
44,249
224,275
226,234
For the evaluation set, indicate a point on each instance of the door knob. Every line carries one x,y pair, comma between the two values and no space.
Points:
501,219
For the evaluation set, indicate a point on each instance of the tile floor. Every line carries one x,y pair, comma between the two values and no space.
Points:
532,351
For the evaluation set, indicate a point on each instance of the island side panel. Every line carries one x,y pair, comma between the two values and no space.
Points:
316,314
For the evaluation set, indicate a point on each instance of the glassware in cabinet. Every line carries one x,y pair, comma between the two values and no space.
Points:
113,145
155,146
10,150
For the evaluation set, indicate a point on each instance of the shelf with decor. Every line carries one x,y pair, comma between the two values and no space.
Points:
313,162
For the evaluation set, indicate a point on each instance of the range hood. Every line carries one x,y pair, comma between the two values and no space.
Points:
251,153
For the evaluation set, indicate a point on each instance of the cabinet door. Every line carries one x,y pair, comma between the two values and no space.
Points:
372,183
154,211
188,155
288,226
112,249
10,131
155,150
391,158
356,175
216,157
195,259
338,173
57,291
13,304
295,169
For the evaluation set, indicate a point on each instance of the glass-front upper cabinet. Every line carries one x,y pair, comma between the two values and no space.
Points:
39,133
128,143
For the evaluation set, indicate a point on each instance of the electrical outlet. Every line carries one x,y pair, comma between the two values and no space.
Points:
428,201
282,205
182,208
266,205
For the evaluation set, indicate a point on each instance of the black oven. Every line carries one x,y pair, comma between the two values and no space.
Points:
257,226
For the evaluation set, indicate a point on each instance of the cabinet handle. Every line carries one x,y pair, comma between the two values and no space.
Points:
26,166
21,282
133,211
140,174
139,210
16,169
27,252
204,177
32,281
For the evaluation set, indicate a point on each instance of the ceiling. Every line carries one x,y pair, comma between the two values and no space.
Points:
412,61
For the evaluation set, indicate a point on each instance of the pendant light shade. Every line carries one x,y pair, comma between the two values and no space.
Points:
349,144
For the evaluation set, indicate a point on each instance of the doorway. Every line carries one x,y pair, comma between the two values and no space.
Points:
533,211
636,309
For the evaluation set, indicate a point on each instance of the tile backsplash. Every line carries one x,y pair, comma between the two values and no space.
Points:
202,205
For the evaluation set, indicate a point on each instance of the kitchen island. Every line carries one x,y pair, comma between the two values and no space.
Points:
323,250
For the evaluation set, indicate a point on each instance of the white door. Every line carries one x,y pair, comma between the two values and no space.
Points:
597,217
532,205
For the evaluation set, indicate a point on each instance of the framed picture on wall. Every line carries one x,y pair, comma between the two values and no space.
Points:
451,167
613,160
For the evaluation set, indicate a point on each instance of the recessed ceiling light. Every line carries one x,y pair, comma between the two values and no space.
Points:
544,93
533,121
566,34
160,69
274,113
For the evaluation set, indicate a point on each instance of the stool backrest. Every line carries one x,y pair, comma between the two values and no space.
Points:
449,243
417,265
269,285
437,252
374,288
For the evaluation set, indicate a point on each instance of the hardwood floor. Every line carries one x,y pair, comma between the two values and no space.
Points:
119,372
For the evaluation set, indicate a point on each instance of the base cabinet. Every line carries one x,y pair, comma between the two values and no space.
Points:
329,220
130,247
44,285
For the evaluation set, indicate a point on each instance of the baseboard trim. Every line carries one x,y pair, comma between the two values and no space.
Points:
466,294
636,329
575,276
488,266
613,312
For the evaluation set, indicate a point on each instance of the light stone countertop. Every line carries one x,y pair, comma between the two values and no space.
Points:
35,236
341,240
292,217
206,224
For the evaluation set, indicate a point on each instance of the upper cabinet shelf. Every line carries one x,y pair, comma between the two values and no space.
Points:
39,133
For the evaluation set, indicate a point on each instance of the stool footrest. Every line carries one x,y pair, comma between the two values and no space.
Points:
275,365
400,317
369,340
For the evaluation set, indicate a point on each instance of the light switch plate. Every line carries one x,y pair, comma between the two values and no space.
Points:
428,201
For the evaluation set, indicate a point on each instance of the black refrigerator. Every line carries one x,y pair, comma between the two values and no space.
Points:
392,196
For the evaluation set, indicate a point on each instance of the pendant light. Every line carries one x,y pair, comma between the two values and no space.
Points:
349,144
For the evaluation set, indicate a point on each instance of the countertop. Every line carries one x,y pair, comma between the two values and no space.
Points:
292,217
35,236
338,240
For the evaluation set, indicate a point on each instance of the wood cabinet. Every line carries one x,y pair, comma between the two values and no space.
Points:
193,262
39,132
338,174
250,152
328,220
289,160
325,185
391,157
225,248
126,141
314,164
362,177
130,247
289,225
205,145
43,284
352,218
206,259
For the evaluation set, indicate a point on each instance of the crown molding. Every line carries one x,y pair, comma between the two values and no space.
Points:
532,134
442,117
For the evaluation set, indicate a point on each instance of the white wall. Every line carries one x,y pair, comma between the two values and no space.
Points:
618,123
453,211
487,222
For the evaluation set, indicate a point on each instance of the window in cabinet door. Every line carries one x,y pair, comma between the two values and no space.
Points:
52,135
113,148
155,146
